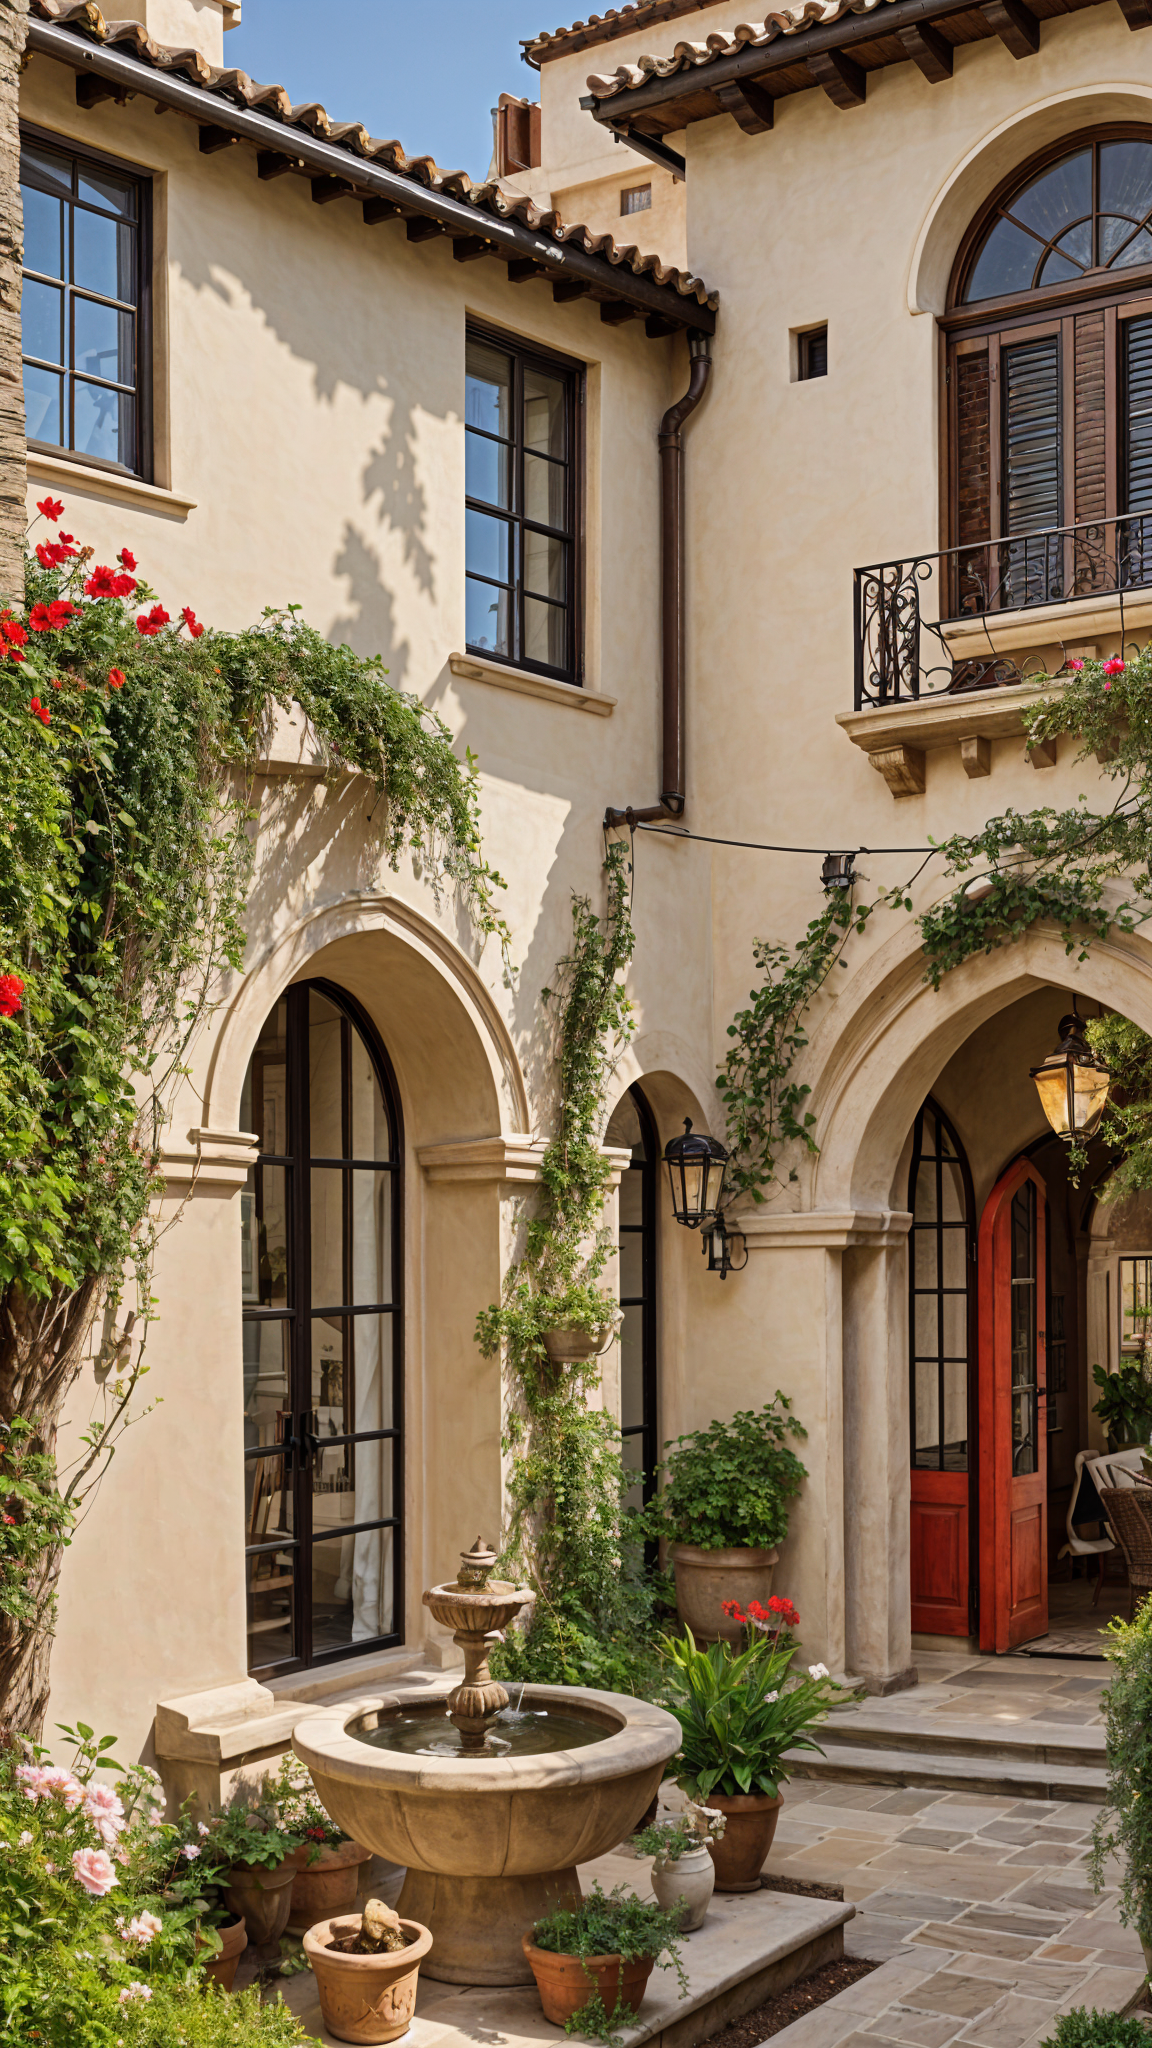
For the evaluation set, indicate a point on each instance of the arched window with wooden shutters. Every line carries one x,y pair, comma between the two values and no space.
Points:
1049,378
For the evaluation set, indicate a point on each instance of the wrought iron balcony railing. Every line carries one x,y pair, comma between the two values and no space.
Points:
908,616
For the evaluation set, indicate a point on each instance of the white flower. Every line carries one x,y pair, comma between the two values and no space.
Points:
134,1991
818,1671
25,1838
201,1827
190,1851
769,1697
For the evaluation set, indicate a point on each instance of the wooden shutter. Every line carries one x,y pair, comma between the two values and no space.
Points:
1031,444
974,450
1137,476
1089,464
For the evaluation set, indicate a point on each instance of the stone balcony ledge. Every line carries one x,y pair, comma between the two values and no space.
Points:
896,737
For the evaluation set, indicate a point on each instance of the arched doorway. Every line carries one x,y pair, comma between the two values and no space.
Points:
633,1125
323,1336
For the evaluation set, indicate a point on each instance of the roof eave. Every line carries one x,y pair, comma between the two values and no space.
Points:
509,240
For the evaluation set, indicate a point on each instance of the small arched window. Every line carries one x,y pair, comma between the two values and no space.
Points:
1049,377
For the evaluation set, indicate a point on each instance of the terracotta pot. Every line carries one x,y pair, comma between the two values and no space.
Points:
740,1853
264,1897
706,1578
365,1998
223,1965
327,1887
568,1983
689,1883
572,1347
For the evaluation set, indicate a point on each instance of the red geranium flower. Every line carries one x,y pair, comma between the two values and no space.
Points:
65,540
155,622
40,619
12,630
785,1610
127,558
101,583
733,1610
50,507
116,679
52,554
40,711
60,610
1115,667
11,990
192,622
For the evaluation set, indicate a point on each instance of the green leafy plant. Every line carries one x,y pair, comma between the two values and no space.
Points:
614,1923
1124,1825
251,1835
293,1802
740,1710
1125,1403
1081,2028
131,746
668,1840
727,1487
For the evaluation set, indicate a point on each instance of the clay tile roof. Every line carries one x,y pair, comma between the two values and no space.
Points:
85,18
603,28
783,21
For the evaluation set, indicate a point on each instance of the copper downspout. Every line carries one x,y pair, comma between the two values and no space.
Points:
673,791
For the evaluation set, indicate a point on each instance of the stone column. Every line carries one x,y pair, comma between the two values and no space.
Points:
876,1457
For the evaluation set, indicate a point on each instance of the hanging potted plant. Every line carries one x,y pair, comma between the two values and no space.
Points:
256,1859
592,1962
722,1511
328,1862
739,1711
683,1873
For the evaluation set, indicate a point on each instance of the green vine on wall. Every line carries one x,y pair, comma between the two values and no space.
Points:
566,1482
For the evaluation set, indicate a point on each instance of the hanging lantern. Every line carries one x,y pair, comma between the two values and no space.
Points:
696,1170
724,1248
1072,1084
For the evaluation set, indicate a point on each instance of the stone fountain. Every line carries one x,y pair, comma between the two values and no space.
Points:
490,1811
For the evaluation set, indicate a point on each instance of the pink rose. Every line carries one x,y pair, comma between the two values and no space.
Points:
25,1838
190,1851
106,1811
93,1869
142,1928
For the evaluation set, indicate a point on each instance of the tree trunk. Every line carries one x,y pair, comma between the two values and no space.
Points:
42,1346
13,446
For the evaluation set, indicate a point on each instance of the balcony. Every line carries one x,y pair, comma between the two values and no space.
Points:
949,647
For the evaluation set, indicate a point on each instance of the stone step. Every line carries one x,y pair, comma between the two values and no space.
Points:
1020,1777
1032,1741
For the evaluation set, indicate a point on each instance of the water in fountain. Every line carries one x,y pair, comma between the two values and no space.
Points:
538,1732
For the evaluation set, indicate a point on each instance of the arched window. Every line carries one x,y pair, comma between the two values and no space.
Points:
633,1125
323,1336
1049,377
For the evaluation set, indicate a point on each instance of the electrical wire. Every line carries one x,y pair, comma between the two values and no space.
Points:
760,846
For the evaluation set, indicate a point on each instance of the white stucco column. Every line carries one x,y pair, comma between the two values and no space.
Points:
876,1456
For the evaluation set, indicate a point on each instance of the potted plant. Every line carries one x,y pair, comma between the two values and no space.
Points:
328,1862
366,1968
683,1873
739,1711
722,1511
592,1962
1124,1824
255,1858
1125,1404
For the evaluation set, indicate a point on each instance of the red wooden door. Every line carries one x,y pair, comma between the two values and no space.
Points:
1013,1417
941,1252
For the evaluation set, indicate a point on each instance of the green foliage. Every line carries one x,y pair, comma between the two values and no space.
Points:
33,1516
292,1801
726,1487
1124,1825
739,1710
100,1914
668,1840
592,1620
1127,1122
614,1923
251,1835
1125,1404
1081,2028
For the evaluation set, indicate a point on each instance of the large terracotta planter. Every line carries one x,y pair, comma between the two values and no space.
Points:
706,1578
264,1897
365,1998
568,1983
327,1887
223,1965
687,1882
751,1825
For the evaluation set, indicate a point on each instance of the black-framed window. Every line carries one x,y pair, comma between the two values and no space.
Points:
323,1336
940,1268
633,1125
521,485
85,304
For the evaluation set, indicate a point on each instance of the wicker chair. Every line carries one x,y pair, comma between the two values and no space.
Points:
1128,1509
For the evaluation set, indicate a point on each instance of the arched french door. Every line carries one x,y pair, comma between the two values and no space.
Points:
1013,1411
632,1125
323,1336
941,1276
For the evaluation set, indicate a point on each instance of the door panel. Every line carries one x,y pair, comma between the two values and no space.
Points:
939,1545
940,1263
1013,1415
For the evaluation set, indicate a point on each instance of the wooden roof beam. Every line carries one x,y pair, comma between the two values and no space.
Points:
1016,26
750,106
929,50
325,190
615,313
377,210
92,92
1137,13
271,164
213,140
845,81
523,269
466,248
424,229
570,288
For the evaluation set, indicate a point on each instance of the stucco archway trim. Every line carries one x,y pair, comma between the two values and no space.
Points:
292,956
991,159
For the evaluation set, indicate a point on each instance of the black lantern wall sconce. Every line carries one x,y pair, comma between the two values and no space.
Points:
727,1250
696,1166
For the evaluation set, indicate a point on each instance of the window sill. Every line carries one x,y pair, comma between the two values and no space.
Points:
106,483
473,668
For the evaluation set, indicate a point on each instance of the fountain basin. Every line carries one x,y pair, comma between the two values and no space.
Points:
491,1843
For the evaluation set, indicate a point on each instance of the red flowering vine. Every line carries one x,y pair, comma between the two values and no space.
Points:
126,558
11,990
52,508
192,622
116,679
40,711
155,621
104,582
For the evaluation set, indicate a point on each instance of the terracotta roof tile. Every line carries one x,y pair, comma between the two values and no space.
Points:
783,21
602,28
85,17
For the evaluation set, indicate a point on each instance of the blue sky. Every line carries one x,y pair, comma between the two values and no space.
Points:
425,71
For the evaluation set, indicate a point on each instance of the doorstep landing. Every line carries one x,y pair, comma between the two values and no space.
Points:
750,1946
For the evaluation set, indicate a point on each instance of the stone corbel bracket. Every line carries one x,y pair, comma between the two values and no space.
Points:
898,737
